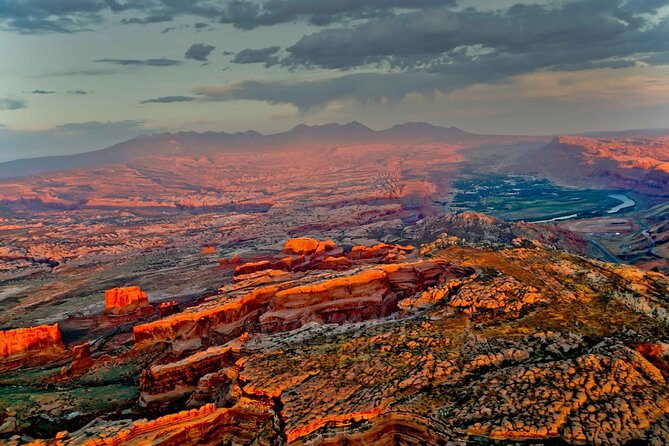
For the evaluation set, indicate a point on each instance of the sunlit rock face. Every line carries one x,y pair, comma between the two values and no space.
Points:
457,344
31,343
302,254
125,300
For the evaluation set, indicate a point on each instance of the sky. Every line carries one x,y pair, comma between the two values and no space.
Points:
80,75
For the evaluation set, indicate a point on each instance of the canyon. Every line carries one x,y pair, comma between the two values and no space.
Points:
443,343
320,287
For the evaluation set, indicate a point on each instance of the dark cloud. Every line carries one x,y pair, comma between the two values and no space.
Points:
11,104
78,72
248,14
40,91
167,100
441,50
79,92
310,95
262,55
594,31
199,51
158,18
68,16
162,62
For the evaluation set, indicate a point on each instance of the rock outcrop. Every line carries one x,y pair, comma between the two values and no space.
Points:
373,292
168,308
511,345
81,360
119,301
29,344
207,425
163,383
303,254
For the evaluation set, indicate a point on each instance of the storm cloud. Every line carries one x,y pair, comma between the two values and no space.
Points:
199,51
311,95
596,30
69,16
262,55
443,50
250,15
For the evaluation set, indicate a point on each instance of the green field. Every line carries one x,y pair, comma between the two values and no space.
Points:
514,197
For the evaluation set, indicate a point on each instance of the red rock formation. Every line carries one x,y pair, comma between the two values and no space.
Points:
344,299
207,425
379,252
386,429
228,319
168,308
304,254
43,340
307,246
654,354
125,300
335,263
252,267
233,261
208,250
370,293
166,382
81,360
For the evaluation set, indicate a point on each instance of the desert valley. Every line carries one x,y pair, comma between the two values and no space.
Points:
338,285
334,222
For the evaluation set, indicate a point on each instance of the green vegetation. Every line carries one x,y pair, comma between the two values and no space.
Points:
515,198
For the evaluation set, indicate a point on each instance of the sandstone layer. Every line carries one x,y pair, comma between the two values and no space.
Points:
125,300
460,344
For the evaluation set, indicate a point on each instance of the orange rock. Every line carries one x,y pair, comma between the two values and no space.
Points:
335,263
22,342
379,252
235,260
168,308
301,245
81,360
208,250
253,267
125,300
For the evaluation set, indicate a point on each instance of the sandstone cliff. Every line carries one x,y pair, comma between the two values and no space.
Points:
125,300
31,343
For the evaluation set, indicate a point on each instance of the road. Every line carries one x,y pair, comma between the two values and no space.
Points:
607,255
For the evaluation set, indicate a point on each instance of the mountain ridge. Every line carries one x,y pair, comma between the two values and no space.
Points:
168,143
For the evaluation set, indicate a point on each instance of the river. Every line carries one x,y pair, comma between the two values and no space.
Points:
626,203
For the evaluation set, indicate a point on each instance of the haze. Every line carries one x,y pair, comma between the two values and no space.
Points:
81,75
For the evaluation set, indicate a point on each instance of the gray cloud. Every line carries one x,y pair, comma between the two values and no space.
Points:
68,16
162,62
436,39
310,95
442,50
247,14
40,91
167,100
78,72
158,18
11,104
262,55
79,92
199,51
